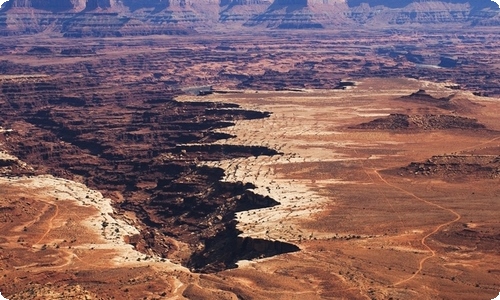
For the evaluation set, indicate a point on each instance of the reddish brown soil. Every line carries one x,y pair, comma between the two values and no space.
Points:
365,228
384,234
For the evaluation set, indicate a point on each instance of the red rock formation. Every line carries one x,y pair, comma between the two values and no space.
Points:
132,143
421,122
302,14
455,166
115,18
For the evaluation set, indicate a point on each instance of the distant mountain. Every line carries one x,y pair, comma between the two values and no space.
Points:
76,18
302,14
404,3
399,12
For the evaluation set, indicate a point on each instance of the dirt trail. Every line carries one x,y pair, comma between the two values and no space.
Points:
50,222
423,241
482,144
385,198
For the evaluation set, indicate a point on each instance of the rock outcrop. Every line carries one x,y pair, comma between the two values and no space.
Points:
455,166
421,122
141,148
301,14
240,11
75,18
421,12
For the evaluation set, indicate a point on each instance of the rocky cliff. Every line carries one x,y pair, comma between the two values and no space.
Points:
125,17
142,148
421,12
302,14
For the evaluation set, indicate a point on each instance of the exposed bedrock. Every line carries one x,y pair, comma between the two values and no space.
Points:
143,153
226,248
404,3
454,166
471,237
422,95
421,122
76,18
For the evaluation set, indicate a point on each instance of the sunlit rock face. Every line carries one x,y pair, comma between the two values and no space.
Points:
404,3
143,17
404,12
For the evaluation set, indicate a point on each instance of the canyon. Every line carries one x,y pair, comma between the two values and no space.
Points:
249,149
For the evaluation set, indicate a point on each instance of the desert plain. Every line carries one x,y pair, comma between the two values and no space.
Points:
335,174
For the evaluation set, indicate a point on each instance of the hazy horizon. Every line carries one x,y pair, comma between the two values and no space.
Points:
496,1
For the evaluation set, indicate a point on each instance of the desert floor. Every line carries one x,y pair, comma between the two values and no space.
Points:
368,228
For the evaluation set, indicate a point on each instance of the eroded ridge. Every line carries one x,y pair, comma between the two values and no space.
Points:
144,156
382,230
63,205
102,112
